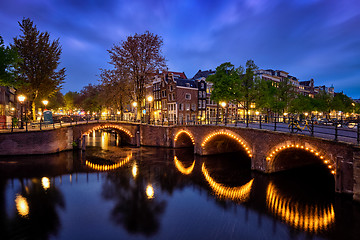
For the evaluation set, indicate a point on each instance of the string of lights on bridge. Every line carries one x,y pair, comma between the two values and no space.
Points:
209,137
272,155
107,126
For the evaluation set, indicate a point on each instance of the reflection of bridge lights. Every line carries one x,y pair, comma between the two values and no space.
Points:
240,194
186,132
181,168
134,170
299,215
45,182
207,139
99,167
272,154
22,205
149,191
107,126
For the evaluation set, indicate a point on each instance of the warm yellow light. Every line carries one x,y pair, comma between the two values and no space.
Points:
45,182
134,104
21,98
306,114
240,194
45,102
118,112
257,113
150,191
285,114
134,170
150,98
22,205
223,104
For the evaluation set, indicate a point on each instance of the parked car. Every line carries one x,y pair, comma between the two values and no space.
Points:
325,121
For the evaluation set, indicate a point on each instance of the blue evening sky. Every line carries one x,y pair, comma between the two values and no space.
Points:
317,39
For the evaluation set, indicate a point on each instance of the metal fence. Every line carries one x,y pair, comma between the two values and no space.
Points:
338,130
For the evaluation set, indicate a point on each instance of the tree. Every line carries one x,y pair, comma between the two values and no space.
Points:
342,103
224,82
115,89
139,57
8,64
89,98
38,76
56,101
70,100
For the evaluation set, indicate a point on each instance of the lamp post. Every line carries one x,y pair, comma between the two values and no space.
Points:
150,99
223,104
134,104
45,102
21,99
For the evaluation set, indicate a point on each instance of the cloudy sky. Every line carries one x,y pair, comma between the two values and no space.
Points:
317,39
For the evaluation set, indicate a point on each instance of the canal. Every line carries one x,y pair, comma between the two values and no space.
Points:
121,192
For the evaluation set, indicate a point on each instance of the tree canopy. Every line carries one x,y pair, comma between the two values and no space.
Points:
138,58
38,75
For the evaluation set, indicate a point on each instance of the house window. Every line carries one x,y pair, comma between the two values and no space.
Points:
163,93
188,96
187,107
204,103
193,107
171,88
202,85
200,104
188,84
181,106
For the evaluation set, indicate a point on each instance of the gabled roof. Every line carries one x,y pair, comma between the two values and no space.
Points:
204,74
186,83
178,74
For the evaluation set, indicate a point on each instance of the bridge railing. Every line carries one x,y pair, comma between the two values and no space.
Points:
338,130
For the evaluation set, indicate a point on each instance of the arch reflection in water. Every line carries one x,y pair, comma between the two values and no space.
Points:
22,205
100,167
239,194
302,216
181,168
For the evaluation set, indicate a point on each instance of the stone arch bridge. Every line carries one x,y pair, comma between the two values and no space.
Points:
263,147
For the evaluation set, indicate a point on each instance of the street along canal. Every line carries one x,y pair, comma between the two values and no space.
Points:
119,192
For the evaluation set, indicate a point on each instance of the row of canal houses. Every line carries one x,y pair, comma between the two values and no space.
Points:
177,98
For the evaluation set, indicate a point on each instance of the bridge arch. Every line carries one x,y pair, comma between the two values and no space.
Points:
208,139
125,134
183,138
274,152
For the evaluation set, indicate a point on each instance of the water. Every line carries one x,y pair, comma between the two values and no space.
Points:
113,192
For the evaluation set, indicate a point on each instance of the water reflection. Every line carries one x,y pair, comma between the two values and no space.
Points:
184,170
22,205
108,166
238,194
301,216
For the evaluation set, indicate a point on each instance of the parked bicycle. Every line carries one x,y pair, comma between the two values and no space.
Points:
295,126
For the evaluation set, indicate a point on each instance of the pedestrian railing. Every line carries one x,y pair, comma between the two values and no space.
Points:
337,131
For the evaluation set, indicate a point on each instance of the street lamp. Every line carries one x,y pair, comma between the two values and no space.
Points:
45,102
223,104
134,104
21,99
150,99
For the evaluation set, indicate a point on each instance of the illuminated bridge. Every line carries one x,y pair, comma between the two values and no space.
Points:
265,148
